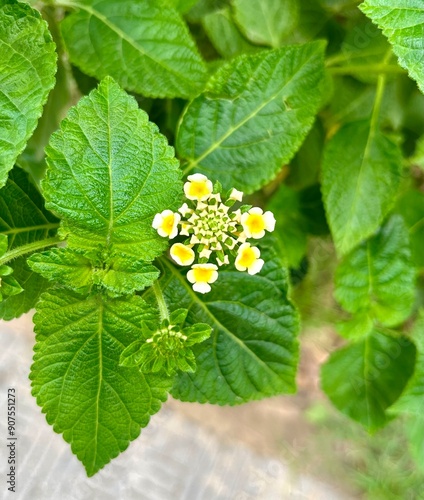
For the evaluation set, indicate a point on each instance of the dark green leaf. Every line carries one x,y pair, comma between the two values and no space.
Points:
291,227
109,172
360,178
253,116
412,398
253,350
363,379
377,277
411,206
145,46
23,220
27,68
98,405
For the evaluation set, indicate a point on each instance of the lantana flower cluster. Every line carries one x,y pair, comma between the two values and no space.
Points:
213,231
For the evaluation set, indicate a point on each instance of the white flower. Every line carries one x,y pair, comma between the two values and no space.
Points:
248,258
236,195
198,187
182,254
255,222
166,223
200,275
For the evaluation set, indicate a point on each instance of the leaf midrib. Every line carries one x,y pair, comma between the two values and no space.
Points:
121,34
232,129
205,308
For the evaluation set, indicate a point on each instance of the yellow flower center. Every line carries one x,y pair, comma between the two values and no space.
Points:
198,189
183,253
168,223
202,275
255,223
247,257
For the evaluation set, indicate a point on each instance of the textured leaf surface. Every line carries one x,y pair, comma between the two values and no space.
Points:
27,68
253,350
79,273
360,177
147,48
267,22
402,22
378,277
97,405
24,220
109,172
253,116
363,379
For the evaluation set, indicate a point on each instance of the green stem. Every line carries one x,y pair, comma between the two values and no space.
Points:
381,85
30,247
160,299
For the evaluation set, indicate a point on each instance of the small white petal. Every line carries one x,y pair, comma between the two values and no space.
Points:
255,267
201,287
184,210
197,177
269,221
236,195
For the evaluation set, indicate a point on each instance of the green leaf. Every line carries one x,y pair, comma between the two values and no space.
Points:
224,34
411,206
360,178
291,227
109,172
182,6
253,116
145,46
126,275
27,68
267,22
377,277
98,405
403,25
3,244
363,379
253,350
65,267
23,220
412,398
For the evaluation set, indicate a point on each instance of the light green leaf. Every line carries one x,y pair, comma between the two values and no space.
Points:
377,277
182,6
411,206
145,46
224,34
253,350
412,398
125,275
418,157
109,172
267,22
360,178
253,116
363,379
3,244
23,220
403,24
27,68
65,267
98,405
